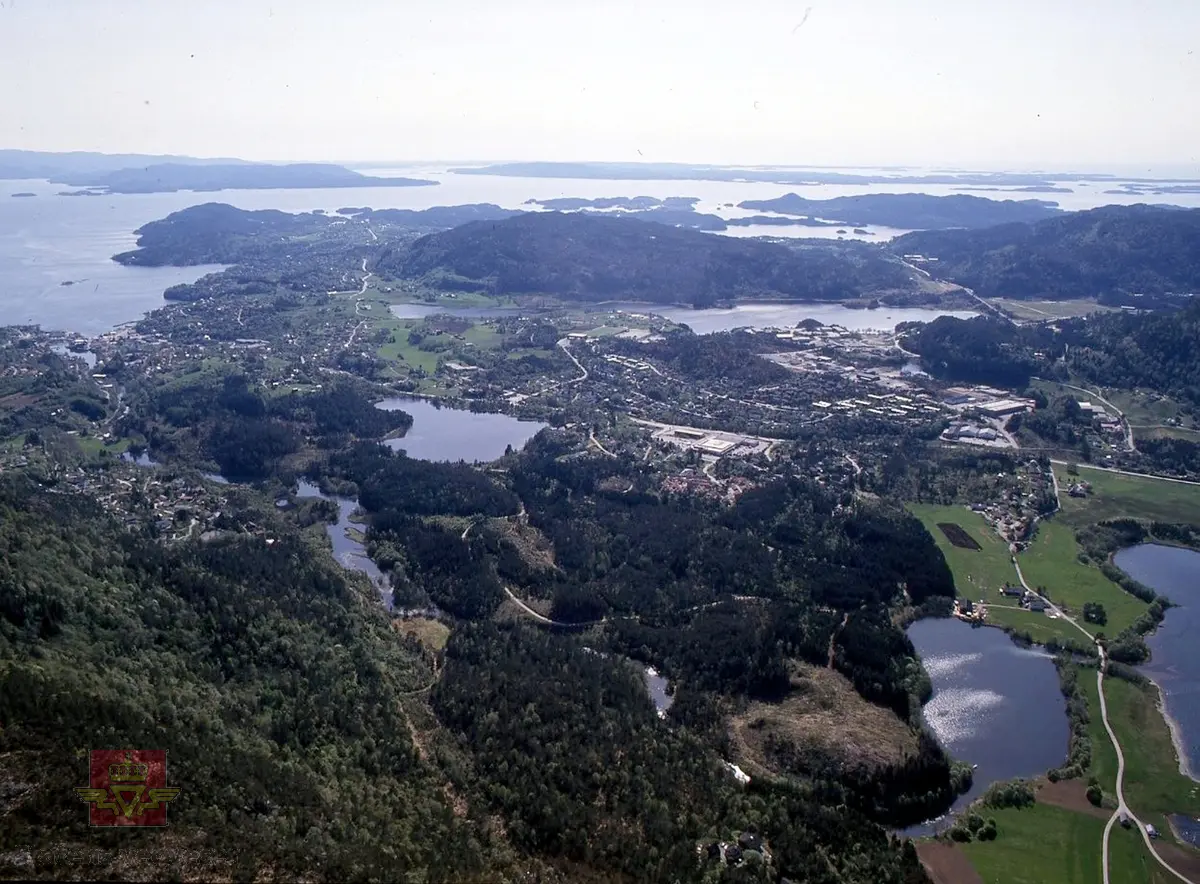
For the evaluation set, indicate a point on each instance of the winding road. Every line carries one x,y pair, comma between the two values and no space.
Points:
1122,807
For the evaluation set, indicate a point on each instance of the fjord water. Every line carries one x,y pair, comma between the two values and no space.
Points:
994,704
776,314
49,239
453,434
1174,653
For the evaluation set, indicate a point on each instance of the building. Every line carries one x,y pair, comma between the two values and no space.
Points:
713,445
1012,591
1004,407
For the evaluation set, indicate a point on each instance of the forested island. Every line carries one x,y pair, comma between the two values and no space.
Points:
909,211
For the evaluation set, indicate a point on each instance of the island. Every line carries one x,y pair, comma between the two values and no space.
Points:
910,211
171,177
23,193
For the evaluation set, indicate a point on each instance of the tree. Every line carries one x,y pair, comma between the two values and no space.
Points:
1093,612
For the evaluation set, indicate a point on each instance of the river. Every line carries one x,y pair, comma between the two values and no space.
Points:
994,704
453,434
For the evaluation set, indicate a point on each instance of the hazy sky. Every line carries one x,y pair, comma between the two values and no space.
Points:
995,83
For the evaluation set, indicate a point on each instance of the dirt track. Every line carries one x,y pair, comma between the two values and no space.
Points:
946,864
1071,795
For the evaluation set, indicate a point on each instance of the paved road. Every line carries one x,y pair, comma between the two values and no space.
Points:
1096,395
1122,807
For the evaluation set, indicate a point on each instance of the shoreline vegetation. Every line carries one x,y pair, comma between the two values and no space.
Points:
1096,543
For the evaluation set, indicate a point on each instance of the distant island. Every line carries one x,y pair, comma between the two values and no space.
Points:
789,175
910,211
1028,188
171,177
25,193
635,203
168,178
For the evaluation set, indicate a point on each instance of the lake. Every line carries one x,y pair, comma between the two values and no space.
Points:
1175,655
752,314
994,704
774,314
453,434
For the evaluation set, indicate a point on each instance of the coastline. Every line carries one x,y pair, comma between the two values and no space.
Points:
1185,763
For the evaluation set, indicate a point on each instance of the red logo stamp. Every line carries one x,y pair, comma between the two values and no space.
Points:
128,788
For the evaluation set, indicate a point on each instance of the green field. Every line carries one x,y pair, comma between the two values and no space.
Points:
1051,561
1114,495
1153,783
1041,627
1043,845
977,573
1051,845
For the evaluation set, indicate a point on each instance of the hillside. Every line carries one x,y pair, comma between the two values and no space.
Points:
910,211
588,258
1112,253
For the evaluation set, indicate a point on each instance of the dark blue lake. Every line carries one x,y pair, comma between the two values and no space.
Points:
1174,652
443,433
994,704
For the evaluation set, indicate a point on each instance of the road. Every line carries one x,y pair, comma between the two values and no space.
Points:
592,438
1096,395
1122,807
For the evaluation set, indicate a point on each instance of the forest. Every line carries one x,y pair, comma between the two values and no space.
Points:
980,350
592,258
910,211
257,667
1112,253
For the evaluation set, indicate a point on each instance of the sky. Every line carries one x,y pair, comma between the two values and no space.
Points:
1004,84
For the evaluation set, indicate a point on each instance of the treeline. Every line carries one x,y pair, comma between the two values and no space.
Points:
980,350
391,483
1115,251
569,750
918,788
592,258
258,668
1157,351
247,432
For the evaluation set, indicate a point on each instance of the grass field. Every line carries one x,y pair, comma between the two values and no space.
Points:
1153,783
977,573
1043,845
1051,561
1041,310
1037,624
1114,495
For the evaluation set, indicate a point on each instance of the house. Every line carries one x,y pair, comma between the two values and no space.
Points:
1015,592
733,854
749,841
1035,603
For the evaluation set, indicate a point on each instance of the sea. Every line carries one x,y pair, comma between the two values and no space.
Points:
55,251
